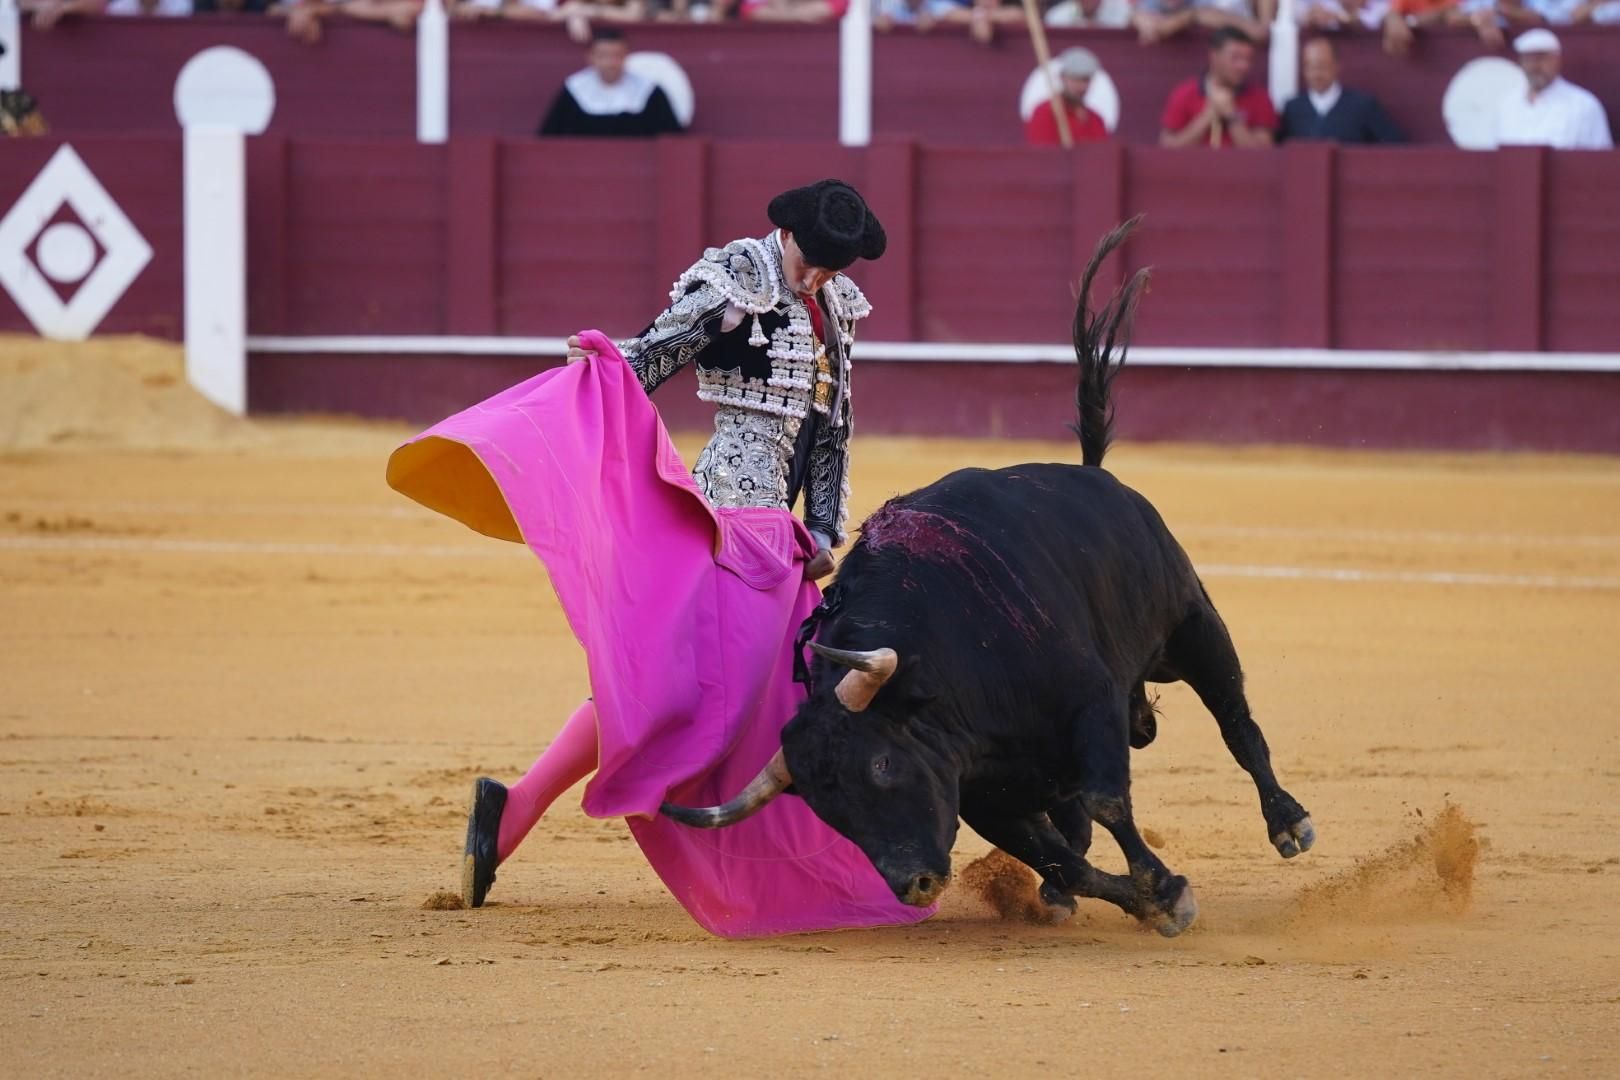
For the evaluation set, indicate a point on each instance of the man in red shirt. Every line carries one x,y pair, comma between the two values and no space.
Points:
1220,108
1076,67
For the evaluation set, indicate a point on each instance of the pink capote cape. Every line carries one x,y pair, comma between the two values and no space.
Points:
687,615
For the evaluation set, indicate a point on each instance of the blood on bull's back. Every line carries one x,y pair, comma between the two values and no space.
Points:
1036,557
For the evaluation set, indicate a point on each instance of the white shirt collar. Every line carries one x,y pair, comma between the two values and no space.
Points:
628,95
1323,103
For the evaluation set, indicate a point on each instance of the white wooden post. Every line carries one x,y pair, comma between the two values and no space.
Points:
11,38
1284,66
433,73
855,74
216,264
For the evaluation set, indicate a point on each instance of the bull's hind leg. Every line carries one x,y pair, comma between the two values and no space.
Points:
1200,652
1039,843
1102,742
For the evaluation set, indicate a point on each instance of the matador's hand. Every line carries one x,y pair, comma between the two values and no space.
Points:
820,566
576,350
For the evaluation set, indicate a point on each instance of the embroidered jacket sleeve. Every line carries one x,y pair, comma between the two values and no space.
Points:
678,335
826,486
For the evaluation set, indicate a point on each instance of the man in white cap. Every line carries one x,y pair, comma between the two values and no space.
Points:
1076,68
1550,111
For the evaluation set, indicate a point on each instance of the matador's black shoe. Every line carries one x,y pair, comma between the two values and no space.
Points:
483,829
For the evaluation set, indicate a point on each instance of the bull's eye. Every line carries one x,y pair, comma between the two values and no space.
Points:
880,766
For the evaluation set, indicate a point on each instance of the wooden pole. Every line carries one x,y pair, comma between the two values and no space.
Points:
1043,56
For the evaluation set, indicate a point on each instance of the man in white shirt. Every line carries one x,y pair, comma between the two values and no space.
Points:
607,98
1552,111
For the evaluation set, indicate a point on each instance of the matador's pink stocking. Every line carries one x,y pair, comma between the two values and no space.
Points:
568,760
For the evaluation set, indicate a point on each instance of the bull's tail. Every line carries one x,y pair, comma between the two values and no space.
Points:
1100,341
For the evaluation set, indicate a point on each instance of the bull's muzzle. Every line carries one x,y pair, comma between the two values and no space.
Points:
922,890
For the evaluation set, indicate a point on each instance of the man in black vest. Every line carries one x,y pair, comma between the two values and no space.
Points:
1327,110
607,98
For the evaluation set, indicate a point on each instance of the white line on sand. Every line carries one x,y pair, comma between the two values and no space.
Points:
405,510
401,509
1402,536
149,546
143,546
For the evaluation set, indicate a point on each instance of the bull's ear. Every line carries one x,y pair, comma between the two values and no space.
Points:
919,691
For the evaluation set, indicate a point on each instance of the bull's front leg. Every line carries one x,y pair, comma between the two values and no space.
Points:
1102,749
1035,841
1201,653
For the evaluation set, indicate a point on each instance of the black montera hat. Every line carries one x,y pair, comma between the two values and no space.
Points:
831,222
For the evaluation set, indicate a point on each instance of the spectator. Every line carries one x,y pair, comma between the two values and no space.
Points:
1076,67
803,11
168,9
921,14
211,7
606,99
985,15
1560,12
1220,108
305,18
19,112
1104,14
469,10
1552,111
1408,16
578,14
1327,110
1341,14
1156,20
47,13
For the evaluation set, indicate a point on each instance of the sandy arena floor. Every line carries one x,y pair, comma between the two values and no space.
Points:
243,687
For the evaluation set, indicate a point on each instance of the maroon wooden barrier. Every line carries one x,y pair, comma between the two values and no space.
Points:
1435,410
750,81
1581,249
117,75
1309,247
142,176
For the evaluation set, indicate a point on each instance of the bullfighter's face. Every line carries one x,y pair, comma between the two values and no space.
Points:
800,275
871,779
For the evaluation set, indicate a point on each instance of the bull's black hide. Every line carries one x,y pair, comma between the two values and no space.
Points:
983,656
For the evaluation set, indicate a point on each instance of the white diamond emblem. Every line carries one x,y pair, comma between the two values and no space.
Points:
63,248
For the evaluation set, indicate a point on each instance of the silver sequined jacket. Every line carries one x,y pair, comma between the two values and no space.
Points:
784,404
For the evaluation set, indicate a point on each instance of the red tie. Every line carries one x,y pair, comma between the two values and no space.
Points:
815,317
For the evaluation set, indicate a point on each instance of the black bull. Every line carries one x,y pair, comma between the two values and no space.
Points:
983,655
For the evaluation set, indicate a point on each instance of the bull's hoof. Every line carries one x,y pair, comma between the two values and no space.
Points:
1297,838
1057,906
1182,914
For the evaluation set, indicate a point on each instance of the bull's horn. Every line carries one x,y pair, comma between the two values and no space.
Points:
772,780
868,671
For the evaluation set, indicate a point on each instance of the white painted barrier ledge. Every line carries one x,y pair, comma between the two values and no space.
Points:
930,352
